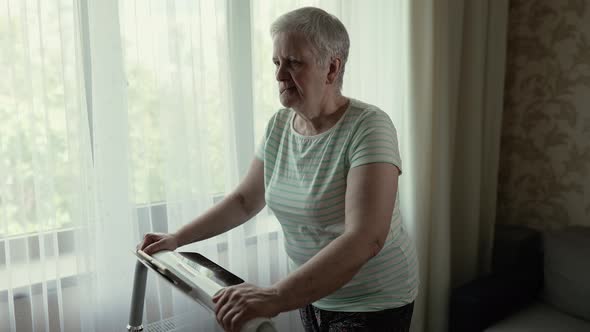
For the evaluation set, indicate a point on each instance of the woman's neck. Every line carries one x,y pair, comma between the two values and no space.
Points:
315,121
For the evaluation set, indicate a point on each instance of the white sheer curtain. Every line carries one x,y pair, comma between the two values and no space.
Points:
120,118
44,165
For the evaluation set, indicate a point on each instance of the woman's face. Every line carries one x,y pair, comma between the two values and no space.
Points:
302,81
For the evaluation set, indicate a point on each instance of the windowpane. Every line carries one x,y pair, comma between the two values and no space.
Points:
40,117
177,96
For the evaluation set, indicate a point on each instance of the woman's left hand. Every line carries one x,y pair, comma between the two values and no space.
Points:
238,304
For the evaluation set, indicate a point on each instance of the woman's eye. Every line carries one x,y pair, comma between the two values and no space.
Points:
288,63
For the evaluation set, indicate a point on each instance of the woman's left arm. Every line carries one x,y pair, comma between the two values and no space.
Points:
370,198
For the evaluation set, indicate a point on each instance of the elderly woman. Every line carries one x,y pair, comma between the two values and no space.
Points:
328,168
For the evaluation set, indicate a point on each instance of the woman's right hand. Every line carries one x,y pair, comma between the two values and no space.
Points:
154,242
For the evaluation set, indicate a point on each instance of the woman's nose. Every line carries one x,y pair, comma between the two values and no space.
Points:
281,74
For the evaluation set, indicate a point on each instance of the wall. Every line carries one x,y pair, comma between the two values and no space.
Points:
544,172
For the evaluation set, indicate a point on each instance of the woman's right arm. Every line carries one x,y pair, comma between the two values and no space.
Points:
235,209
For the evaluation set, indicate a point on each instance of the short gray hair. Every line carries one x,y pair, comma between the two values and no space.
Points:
323,30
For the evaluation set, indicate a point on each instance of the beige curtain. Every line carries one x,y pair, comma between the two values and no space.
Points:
455,75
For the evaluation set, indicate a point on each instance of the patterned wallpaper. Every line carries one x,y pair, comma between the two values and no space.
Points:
544,177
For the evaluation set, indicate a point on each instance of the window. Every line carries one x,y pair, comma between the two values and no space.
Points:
170,59
171,54
39,110
108,131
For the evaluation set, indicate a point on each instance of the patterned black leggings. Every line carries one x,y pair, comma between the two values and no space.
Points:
390,320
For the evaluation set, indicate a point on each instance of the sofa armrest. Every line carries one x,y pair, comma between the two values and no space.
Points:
518,252
516,279
484,301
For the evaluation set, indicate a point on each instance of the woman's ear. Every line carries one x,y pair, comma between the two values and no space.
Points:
333,70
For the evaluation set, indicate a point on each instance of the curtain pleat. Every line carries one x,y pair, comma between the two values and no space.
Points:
7,195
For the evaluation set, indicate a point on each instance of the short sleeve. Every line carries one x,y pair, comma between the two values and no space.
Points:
260,149
375,141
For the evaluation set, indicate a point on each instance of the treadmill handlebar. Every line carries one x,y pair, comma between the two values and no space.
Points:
259,325
138,299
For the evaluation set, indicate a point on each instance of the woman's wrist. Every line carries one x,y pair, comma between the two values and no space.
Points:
177,236
285,298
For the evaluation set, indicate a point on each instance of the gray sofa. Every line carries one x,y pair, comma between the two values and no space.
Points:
540,282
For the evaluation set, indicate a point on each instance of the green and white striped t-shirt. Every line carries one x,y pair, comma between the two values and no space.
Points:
305,181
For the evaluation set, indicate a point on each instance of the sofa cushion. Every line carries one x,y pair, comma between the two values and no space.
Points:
540,317
567,270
